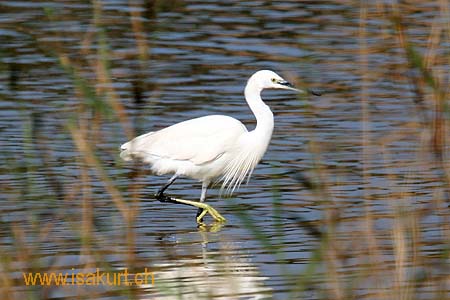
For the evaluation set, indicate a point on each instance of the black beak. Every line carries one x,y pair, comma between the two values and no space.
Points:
289,86
285,83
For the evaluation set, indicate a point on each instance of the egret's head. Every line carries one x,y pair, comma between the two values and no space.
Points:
266,79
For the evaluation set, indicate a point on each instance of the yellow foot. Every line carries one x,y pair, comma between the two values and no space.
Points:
206,209
214,213
214,227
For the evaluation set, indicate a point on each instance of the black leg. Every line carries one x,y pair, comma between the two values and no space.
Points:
160,194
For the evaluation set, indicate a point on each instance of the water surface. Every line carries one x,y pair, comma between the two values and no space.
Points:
371,156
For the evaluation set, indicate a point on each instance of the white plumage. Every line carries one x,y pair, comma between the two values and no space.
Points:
214,147
197,148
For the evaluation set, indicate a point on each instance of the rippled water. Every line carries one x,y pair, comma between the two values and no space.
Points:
200,56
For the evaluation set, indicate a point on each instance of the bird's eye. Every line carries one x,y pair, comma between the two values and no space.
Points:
274,80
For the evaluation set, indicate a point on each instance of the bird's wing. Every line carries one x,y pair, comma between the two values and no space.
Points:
199,140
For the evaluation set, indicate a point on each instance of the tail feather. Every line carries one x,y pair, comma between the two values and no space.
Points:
125,146
125,153
133,147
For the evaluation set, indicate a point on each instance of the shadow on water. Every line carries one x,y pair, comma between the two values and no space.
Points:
350,201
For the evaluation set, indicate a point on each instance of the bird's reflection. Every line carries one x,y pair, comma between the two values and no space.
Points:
222,271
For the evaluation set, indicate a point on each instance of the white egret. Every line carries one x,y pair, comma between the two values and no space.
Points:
215,147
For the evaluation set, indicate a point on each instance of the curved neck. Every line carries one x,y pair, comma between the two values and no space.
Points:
262,112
